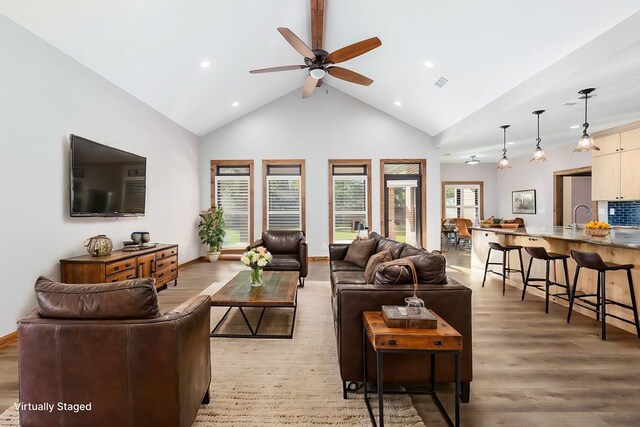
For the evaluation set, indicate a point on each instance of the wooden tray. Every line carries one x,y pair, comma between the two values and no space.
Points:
395,316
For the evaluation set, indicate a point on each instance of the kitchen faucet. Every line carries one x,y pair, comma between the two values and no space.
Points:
574,225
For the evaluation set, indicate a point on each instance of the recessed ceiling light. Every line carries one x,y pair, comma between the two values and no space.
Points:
235,104
398,103
205,64
574,127
510,143
428,64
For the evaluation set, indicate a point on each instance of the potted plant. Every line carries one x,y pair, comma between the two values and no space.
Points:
211,231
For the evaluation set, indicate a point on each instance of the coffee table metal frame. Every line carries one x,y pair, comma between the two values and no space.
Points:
255,332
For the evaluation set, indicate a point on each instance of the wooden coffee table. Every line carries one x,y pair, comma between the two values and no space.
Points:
279,290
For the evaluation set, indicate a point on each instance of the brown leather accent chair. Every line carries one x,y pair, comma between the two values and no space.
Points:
351,295
289,250
135,366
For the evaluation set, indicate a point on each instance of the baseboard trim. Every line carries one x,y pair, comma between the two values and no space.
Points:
9,339
230,257
193,261
318,258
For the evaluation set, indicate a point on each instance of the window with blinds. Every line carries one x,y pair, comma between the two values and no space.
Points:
350,201
462,201
232,193
284,197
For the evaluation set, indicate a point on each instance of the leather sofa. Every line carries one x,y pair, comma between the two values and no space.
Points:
351,295
289,251
108,345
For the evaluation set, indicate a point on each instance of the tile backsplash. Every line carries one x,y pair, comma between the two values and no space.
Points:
626,213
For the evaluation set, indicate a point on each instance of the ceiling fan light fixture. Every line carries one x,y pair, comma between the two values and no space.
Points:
317,72
473,160
585,143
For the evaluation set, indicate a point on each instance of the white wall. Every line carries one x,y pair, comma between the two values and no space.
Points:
484,172
325,126
576,190
527,175
44,96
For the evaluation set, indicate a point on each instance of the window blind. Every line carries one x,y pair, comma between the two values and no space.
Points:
232,194
349,206
462,201
284,203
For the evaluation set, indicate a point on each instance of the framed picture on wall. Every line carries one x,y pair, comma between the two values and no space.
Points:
523,202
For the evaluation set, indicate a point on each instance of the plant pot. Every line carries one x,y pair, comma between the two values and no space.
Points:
213,256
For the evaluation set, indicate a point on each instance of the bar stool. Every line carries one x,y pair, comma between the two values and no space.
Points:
593,261
505,249
547,257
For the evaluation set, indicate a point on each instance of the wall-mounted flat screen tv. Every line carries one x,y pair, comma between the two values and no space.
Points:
106,181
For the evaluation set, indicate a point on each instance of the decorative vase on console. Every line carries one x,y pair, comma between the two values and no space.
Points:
256,259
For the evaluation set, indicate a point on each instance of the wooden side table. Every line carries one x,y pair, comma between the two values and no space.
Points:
444,339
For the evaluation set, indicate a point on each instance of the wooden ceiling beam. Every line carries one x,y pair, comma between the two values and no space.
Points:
317,23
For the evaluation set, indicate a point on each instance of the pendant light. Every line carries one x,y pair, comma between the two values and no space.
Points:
472,160
538,155
586,142
504,162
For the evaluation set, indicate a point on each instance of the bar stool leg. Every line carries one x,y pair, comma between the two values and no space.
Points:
486,267
634,304
521,265
598,298
526,282
566,277
547,283
572,294
504,271
603,303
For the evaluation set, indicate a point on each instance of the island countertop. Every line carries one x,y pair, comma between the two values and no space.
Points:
619,237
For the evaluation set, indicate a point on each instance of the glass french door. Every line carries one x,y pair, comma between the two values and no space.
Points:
403,206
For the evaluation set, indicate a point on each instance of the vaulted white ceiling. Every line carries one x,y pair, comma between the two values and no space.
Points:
153,50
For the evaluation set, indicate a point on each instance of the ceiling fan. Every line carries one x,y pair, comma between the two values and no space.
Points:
319,61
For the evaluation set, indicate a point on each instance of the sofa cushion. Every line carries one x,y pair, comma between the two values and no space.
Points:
348,278
373,263
409,250
283,263
360,251
282,241
431,268
391,273
130,299
342,265
392,246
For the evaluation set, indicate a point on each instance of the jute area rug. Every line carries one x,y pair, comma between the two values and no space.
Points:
280,382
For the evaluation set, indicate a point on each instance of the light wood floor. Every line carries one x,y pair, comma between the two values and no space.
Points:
530,369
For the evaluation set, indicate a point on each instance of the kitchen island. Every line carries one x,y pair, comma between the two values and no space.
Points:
622,247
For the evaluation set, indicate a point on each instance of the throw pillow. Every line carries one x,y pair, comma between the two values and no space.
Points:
374,262
360,251
431,268
393,273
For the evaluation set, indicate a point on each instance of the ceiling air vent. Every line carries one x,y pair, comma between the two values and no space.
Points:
441,82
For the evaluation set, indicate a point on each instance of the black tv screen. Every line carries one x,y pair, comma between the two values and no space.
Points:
106,181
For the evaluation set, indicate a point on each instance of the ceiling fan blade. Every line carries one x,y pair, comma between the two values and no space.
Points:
272,69
348,75
353,50
297,44
309,85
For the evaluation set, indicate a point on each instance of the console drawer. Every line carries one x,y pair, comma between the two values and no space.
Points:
119,266
167,274
166,253
162,263
123,275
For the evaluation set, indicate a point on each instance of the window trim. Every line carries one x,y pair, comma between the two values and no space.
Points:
423,194
303,188
354,162
212,195
462,183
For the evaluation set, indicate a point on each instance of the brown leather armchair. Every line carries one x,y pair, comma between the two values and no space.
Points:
108,345
289,250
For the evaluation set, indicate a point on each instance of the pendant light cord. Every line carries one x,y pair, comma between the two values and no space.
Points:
504,142
585,124
538,140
